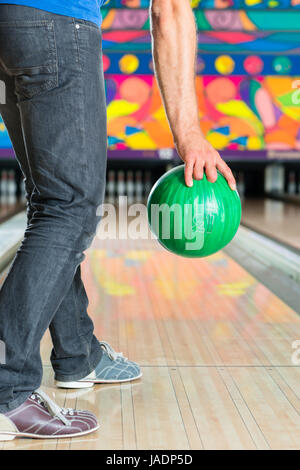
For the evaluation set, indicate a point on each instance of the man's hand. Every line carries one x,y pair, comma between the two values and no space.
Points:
199,156
174,44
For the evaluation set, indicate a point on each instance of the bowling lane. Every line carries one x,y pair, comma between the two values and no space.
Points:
167,310
216,348
215,344
12,193
9,210
276,219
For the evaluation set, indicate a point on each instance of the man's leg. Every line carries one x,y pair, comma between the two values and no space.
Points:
64,123
74,345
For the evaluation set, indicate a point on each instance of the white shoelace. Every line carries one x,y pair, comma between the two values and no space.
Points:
55,410
111,352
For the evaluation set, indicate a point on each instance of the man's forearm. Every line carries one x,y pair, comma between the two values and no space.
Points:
174,43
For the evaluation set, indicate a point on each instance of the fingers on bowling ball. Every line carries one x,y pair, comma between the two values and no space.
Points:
198,170
188,173
227,173
196,227
230,179
211,173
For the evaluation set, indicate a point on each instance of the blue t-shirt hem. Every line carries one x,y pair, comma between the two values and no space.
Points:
89,11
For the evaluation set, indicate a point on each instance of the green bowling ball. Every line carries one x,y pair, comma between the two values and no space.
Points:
193,222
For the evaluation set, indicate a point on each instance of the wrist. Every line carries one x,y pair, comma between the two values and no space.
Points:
187,135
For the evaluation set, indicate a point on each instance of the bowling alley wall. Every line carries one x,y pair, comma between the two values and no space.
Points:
248,74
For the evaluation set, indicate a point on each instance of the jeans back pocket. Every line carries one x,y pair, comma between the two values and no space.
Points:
28,53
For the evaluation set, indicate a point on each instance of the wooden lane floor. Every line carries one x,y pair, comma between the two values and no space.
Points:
216,349
277,219
9,210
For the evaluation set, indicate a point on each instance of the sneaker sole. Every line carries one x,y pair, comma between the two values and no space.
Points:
74,385
114,381
90,383
10,436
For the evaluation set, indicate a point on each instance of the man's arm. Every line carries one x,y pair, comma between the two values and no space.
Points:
174,47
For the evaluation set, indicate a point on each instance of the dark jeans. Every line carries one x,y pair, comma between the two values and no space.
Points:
55,113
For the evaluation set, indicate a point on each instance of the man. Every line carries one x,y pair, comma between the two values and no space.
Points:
55,113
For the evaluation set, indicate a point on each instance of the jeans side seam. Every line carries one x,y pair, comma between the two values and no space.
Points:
81,337
81,105
53,49
81,102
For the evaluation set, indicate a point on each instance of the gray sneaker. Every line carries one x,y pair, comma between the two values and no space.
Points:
113,368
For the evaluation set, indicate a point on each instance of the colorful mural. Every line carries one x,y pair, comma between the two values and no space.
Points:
4,139
237,112
210,20
208,64
215,4
247,84
248,68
